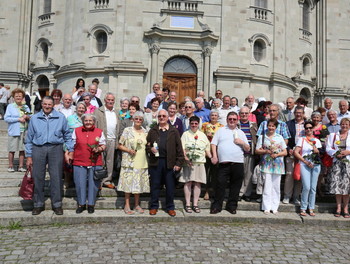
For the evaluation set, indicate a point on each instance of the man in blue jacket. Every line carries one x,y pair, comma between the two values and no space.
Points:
47,132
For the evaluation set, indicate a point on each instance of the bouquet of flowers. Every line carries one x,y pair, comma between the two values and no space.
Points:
93,155
313,157
340,149
274,148
191,150
324,133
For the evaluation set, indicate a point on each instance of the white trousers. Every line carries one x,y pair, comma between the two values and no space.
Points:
271,193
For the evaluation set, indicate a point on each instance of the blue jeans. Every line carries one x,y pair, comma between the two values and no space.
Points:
309,177
85,176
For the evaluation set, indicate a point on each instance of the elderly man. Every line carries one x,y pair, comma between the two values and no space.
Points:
94,100
150,96
249,129
288,113
67,108
165,158
218,95
282,128
250,102
163,104
47,132
343,110
206,104
333,126
328,106
202,112
296,129
107,120
225,109
228,147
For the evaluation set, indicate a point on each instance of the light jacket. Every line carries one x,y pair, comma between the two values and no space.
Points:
53,130
11,118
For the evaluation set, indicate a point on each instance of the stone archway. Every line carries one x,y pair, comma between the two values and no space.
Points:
180,75
43,85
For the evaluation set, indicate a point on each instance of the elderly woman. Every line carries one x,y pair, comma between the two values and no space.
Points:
196,146
173,119
74,120
17,116
89,143
134,168
151,117
209,129
189,109
273,148
316,119
307,152
124,105
217,103
338,147
90,108
56,94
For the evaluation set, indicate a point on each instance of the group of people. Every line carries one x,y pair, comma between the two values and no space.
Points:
214,142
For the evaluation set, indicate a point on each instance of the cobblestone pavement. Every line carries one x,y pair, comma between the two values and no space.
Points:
169,242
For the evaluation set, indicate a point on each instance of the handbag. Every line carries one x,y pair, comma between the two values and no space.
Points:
27,186
100,174
296,171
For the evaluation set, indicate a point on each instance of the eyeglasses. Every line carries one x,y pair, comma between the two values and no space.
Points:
194,124
137,119
232,119
134,101
308,128
188,106
244,113
218,93
159,116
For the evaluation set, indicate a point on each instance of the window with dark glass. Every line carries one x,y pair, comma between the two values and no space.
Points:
101,41
259,50
261,3
45,50
47,6
306,16
306,66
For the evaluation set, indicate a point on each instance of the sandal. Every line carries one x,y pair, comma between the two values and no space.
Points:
139,209
128,211
188,209
196,209
346,215
311,212
303,213
337,214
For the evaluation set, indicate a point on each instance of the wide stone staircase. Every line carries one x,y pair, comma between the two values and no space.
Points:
109,204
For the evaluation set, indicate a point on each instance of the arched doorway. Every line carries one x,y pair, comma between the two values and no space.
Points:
305,93
43,85
180,75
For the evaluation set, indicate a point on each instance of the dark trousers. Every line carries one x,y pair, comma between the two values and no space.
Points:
161,174
235,173
53,156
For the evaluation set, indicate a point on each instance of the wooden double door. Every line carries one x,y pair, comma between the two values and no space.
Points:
183,84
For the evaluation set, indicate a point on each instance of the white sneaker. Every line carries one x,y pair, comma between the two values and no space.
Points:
22,169
285,201
266,212
275,212
10,170
296,202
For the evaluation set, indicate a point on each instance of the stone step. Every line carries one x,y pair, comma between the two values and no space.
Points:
103,203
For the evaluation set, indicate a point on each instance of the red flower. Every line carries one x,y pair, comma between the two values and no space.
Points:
196,137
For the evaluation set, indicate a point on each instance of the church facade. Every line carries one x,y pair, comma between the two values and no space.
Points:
268,48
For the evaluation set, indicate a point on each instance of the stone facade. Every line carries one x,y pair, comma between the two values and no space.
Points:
300,45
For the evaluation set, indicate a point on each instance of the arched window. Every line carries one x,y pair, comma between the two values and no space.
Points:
180,65
306,16
306,66
259,50
101,41
261,3
45,51
305,93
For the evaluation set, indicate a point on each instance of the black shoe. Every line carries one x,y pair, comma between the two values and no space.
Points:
37,210
246,198
91,209
239,198
214,211
80,209
58,210
232,211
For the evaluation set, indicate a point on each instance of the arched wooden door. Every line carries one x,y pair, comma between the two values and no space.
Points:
180,75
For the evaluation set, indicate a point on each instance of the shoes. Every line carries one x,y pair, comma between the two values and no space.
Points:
91,209
296,202
285,200
153,211
109,186
128,211
266,212
22,169
196,209
346,215
302,213
80,209
214,211
188,209
139,209
337,214
58,210
246,198
259,200
275,212
231,211
171,213
312,213
10,169
37,210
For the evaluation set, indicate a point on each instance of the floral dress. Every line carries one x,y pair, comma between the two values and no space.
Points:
209,129
268,164
134,173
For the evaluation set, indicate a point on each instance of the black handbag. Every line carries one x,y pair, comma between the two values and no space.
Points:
100,174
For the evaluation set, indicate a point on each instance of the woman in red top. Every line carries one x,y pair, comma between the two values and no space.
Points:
89,144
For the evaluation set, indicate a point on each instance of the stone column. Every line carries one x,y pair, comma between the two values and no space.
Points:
207,51
154,48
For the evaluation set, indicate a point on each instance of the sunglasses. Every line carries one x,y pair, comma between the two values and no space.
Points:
232,119
137,119
218,93
134,101
308,128
159,116
188,106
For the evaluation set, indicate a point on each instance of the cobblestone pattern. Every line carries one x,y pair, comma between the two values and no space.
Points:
175,243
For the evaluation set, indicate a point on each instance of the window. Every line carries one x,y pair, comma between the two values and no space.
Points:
306,66
101,41
306,16
261,3
259,50
47,6
45,51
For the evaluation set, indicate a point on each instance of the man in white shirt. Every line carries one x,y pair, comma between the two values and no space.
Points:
150,96
95,101
250,102
328,106
3,100
67,108
343,110
107,120
225,109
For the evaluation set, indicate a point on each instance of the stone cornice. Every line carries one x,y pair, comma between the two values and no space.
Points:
183,34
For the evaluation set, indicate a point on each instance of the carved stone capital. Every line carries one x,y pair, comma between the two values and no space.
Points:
154,48
207,51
